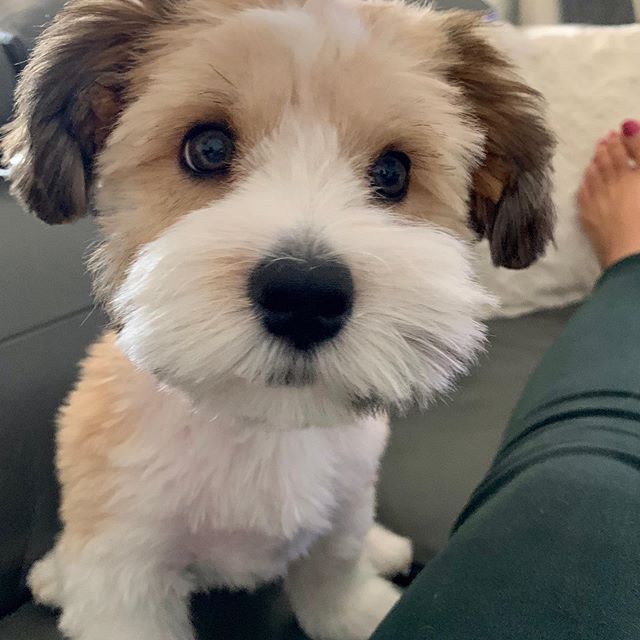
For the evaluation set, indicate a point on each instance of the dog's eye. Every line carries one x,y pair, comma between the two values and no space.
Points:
390,175
208,150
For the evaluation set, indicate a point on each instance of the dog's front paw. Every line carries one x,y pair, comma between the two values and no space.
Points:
390,554
357,615
43,582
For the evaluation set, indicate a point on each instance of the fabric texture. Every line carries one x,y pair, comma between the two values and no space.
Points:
547,548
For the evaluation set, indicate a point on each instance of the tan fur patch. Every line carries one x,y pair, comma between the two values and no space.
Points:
95,420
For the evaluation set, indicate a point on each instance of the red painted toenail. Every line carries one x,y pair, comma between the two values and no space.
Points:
631,128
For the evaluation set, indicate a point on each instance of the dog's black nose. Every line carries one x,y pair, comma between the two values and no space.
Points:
303,300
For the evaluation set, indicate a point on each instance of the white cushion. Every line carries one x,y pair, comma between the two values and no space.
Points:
591,79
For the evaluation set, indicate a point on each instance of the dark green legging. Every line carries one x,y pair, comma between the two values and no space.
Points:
549,545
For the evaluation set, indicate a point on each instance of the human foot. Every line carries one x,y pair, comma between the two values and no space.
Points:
609,198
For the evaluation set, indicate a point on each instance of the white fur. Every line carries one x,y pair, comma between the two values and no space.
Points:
305,28
196,526
390,554
414,325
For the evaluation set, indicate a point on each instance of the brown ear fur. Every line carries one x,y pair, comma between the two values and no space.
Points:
68,99
511,201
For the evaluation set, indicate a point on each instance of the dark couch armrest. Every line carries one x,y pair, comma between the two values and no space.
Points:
7,81
10,47
21,22
27,18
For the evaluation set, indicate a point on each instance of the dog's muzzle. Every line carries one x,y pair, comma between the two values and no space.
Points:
302,298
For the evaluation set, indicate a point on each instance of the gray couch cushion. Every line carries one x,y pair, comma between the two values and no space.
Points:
26,18
7,79
218,616
37,370
42,274
21,22
609,12
30,623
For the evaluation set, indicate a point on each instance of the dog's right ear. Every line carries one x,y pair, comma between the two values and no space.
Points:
68,99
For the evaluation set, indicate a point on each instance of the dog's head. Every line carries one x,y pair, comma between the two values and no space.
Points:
286,189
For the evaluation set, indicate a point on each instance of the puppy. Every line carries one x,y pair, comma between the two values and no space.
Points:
286,192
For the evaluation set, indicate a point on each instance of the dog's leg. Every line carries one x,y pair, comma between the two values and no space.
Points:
115,590
390,554
335,591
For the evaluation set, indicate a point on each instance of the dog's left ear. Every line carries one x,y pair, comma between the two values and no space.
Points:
68,98
511,198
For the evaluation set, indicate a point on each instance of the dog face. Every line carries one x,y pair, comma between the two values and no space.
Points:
286,190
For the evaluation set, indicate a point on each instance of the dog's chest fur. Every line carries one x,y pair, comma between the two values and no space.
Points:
240,502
